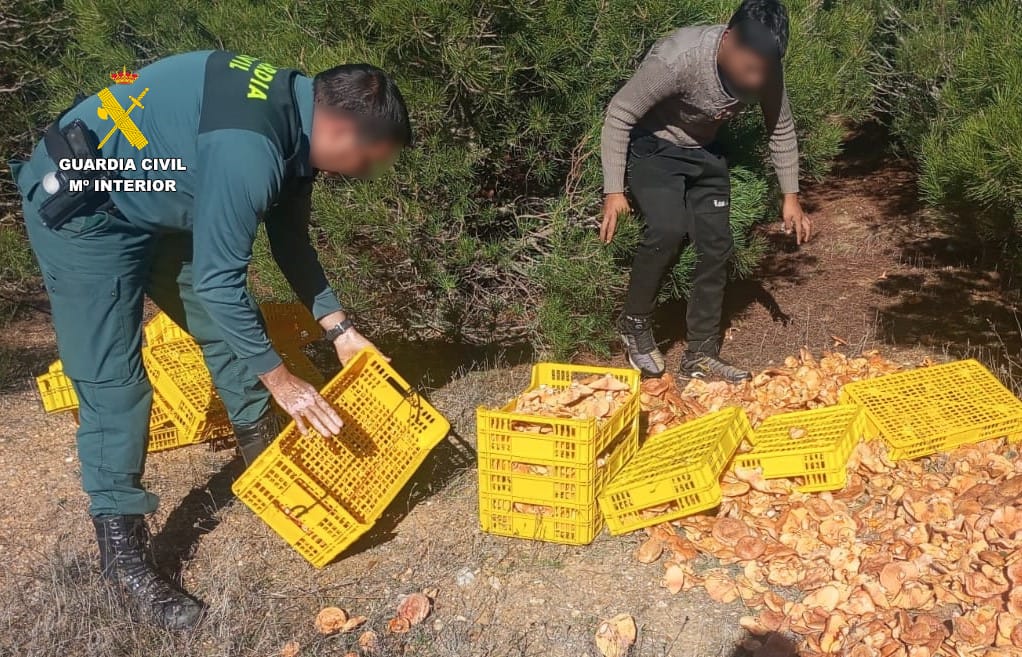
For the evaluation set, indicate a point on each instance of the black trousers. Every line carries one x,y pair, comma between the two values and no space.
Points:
681,192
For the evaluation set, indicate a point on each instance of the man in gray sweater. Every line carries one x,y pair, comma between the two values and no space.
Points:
660,133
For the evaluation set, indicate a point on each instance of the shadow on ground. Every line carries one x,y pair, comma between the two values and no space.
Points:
195,516
738,298
449,460
198,513
771,645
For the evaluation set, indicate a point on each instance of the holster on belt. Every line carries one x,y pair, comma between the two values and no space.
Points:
75,141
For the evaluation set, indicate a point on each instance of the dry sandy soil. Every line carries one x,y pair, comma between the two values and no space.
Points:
876,275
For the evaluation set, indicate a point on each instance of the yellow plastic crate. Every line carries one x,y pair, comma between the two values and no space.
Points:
813,446
290,322
320,494
163,433
557,483
161,329
56,391
934,409
567,524
178,372
561,470
567,441
675,473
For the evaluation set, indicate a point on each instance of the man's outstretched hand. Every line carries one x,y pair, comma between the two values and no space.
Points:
614,205
350,343
302,402
795,219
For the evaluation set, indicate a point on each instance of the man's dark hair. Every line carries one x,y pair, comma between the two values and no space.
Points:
754,15
368,95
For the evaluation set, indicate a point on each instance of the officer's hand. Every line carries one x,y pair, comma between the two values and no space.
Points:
350,343
302,402
614,205
796,219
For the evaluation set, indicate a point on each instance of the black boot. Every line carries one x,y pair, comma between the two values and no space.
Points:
125,559
253,438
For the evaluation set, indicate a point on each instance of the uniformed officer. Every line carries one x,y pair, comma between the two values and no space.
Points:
252,138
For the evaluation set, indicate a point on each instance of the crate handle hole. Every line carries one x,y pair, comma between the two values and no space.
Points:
400,387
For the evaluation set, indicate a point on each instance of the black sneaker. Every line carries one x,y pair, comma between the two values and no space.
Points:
697,365
643,354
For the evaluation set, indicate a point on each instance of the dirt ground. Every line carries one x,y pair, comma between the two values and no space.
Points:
877,275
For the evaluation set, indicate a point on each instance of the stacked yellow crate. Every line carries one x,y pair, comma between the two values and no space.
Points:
179,375
543,484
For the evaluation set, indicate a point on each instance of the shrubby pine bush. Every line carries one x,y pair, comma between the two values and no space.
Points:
486,231
952,87
30,34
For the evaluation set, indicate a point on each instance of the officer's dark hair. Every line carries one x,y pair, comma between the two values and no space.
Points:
762,25
370,96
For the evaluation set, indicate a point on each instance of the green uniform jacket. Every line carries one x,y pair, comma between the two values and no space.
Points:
241,128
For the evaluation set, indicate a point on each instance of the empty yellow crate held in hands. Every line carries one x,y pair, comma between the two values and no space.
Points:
320,494
938,408
675,474
812,446
543,485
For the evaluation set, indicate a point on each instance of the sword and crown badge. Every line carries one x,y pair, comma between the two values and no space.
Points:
111,109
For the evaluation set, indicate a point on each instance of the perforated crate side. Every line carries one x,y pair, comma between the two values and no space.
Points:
313,522
932,409
565,524
813,446
339,486
566,441
56,391
164,434
164,437
678,468
161,328
177,370
560,484
625,512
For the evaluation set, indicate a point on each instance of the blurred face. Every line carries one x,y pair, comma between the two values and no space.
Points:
745,68
338,147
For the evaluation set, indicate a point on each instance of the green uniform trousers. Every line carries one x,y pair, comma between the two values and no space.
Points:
97,270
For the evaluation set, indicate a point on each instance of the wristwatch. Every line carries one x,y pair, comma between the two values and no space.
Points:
338,330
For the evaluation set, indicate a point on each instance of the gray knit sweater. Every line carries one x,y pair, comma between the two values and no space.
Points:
676,93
